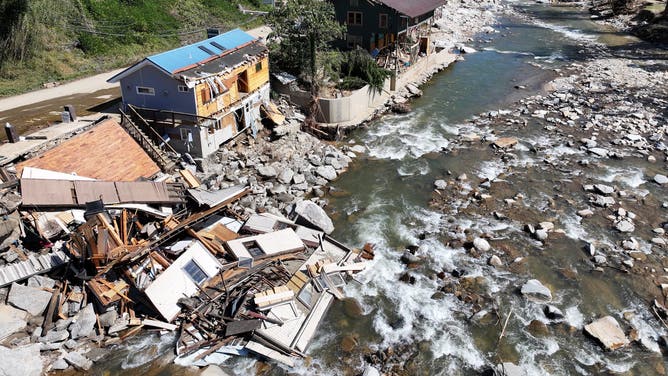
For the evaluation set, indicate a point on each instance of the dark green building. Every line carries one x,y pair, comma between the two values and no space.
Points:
377,23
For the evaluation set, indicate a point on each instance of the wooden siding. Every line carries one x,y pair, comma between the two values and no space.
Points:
256,78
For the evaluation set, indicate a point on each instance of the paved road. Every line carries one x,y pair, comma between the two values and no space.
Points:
82,86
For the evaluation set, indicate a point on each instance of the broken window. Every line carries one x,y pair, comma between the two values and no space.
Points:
195,272
253,248
355,18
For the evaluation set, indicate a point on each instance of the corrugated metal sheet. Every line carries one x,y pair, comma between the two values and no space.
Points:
413,8
191,54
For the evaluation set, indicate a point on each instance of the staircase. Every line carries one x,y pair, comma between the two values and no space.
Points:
160,157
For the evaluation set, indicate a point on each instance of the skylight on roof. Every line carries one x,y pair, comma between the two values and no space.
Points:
208,51
218,46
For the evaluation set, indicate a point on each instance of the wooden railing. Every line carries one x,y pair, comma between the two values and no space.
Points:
147,144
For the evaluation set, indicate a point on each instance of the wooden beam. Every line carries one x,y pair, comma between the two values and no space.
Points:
112,231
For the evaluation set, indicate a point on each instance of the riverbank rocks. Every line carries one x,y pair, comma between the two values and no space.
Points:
534,290
314,214
553,313
495,261
625,225
29,299
78,361
84,324
440,184
21,361
608,332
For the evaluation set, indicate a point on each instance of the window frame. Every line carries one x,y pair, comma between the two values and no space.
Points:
354,18
258,67
386,17
199,270
183,89
149,90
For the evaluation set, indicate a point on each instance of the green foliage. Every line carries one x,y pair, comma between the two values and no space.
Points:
359,64
303,29
48,40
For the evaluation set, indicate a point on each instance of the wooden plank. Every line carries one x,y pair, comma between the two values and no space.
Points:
159,324
223,233
112,231
190,178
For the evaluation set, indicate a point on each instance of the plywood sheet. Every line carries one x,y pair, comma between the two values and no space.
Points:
39,192
88,191
145,191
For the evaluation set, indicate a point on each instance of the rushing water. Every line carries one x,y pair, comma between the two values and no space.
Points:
384,199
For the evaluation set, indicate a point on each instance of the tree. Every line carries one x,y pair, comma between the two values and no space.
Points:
301,30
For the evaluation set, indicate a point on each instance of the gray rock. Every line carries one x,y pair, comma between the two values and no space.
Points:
79,361
327,172
21,361
60,365
608,332
600,259
298,179
535,291
509,369
314,214
29,299
108,318
41,281
631,244
604,189
495,261
553,313
440,184
481,245
625,225
602,201
358,149
599,152
371,371
266,171
285,176
661,179
541,234
11,320
84,323
55,336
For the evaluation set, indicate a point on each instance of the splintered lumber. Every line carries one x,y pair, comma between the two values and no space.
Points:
270,353
273,296
159,324
112,230
190,178
223,233
297,281
244,326
124,226
207,243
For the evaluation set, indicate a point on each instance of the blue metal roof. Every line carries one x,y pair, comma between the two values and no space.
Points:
181,57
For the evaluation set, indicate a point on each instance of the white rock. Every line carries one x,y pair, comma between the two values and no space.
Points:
84,323
79,361
604,189
661,179
314,214
285,176
21,361
29,299
599,152
11,320
495,261
213,370
608,332
625,225
535,291
327,172
440,184
585,213
481,245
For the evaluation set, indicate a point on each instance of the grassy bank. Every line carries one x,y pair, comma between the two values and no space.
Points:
44,41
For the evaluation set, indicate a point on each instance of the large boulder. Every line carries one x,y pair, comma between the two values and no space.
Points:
21,361
314,214
327,172
11,320
30,299
79,361
608,332
535,291
84,323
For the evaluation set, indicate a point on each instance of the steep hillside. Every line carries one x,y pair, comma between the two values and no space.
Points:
43,41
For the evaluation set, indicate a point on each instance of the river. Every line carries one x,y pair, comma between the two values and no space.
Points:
408,319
